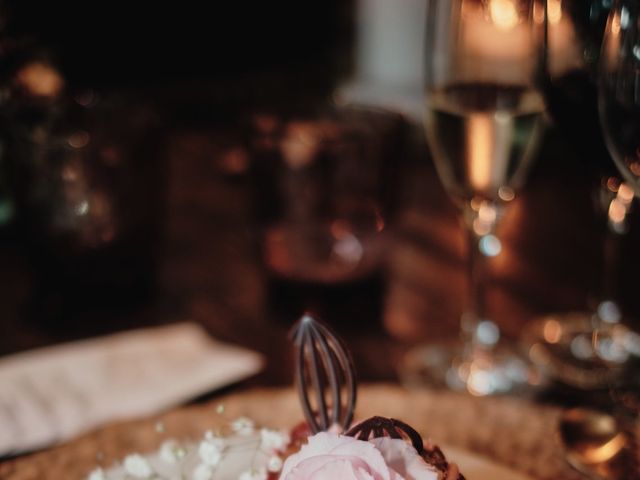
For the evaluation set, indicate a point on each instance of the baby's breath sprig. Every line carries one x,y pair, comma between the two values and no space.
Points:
209,459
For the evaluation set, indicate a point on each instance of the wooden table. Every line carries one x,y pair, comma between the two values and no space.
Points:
510,431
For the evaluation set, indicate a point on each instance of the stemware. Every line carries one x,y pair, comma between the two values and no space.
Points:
619,89
484,116
596,444
563,342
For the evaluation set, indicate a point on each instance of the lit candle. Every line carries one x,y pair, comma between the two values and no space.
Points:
495,33
564,48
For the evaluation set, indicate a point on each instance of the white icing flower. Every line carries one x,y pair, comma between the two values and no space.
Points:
275,464
202,472
97,474
243,426
210,449
137,466
273,439
254,474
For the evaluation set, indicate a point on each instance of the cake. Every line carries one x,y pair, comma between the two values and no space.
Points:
243,451
325,446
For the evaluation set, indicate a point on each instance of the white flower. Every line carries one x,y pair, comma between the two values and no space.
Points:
210,449
275,464
202,472
170,452
243,426
254,474
137,466
273,440
97,474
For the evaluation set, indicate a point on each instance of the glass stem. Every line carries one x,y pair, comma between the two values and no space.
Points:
615,212
608,308
610,249
476,287
479,333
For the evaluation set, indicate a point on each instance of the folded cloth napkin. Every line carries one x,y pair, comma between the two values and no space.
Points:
52,394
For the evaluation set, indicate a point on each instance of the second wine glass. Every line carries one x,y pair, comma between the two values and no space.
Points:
619,88
588,347
483,119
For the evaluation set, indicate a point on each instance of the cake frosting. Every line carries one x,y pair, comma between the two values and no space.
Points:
329,455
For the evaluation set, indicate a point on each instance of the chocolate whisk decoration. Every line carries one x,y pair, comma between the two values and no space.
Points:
324,376
376,427
390,427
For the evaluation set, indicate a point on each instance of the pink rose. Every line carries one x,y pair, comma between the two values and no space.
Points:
328,456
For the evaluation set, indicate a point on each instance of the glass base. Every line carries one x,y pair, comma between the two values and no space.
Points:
567,349
481,373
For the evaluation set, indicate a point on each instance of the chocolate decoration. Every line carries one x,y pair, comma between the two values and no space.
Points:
381,426
324,374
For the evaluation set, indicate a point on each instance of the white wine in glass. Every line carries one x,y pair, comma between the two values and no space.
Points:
483,119
481,135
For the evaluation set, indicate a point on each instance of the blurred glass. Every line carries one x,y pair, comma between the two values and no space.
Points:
325,183
483,120
586,348
323,187
574,34
619,89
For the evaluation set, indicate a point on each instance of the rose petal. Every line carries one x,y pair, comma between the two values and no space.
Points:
366,451
403,459
319,444
330,467
328,456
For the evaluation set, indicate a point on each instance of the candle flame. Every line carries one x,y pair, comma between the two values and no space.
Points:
503,14
615,24
554,11
538,12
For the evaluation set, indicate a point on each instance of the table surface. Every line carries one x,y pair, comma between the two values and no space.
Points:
509,431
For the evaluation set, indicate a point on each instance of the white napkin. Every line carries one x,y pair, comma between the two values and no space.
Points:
52,394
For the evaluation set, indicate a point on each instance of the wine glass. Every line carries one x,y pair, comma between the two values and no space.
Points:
564,341
619,101
619,89
483,119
